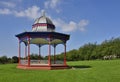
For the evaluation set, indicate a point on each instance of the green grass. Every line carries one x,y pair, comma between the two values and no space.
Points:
82,71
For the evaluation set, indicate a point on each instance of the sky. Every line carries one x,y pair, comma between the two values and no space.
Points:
85,20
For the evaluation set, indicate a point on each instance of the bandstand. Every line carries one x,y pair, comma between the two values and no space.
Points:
43,33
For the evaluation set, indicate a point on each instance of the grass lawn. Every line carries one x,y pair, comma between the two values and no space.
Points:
82,71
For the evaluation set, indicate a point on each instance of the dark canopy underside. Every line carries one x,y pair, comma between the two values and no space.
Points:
42,38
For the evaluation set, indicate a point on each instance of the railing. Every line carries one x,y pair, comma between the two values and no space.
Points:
57,62
25,62
39,61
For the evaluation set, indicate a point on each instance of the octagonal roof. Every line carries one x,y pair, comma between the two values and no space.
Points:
43,23
43,19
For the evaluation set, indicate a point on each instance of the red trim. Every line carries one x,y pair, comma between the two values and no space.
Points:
38,24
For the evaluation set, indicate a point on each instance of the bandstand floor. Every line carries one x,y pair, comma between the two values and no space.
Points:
43,66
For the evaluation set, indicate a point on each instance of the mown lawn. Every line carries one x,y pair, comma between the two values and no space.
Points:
82,71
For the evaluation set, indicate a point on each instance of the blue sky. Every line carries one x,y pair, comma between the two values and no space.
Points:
85,20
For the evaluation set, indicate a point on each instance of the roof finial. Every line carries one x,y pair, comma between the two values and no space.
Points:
43,13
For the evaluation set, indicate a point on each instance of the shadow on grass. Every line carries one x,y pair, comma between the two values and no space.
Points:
79,67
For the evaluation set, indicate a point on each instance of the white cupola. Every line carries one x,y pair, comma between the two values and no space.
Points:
43,24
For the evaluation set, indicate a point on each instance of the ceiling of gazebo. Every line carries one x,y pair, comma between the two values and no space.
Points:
43,41
56,41
38,41
42,38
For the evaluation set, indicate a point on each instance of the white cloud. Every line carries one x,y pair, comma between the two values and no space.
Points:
5,11
7,4
35,12
46,4
52,4
71,26
32,12
82,24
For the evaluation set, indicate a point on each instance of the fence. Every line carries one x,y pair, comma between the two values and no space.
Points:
25,62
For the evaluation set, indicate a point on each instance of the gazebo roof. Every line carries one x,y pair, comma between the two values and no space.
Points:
43,19
43,23
43,32
42,37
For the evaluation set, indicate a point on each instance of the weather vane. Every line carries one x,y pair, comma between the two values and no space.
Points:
43,13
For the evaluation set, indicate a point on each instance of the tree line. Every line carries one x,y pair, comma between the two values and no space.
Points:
5,59
108,49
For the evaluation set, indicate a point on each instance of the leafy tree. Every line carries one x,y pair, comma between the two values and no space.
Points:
14,59
3,59
72,55
35,56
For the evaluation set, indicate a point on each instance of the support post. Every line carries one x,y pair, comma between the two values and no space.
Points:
54,54
19,53
65,55
49,50
25,52
39,53
28,51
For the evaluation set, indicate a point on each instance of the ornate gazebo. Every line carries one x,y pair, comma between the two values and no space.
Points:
43,33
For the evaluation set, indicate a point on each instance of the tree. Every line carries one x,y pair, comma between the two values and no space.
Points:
3,59
35,56
14,59
86,51
72,55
